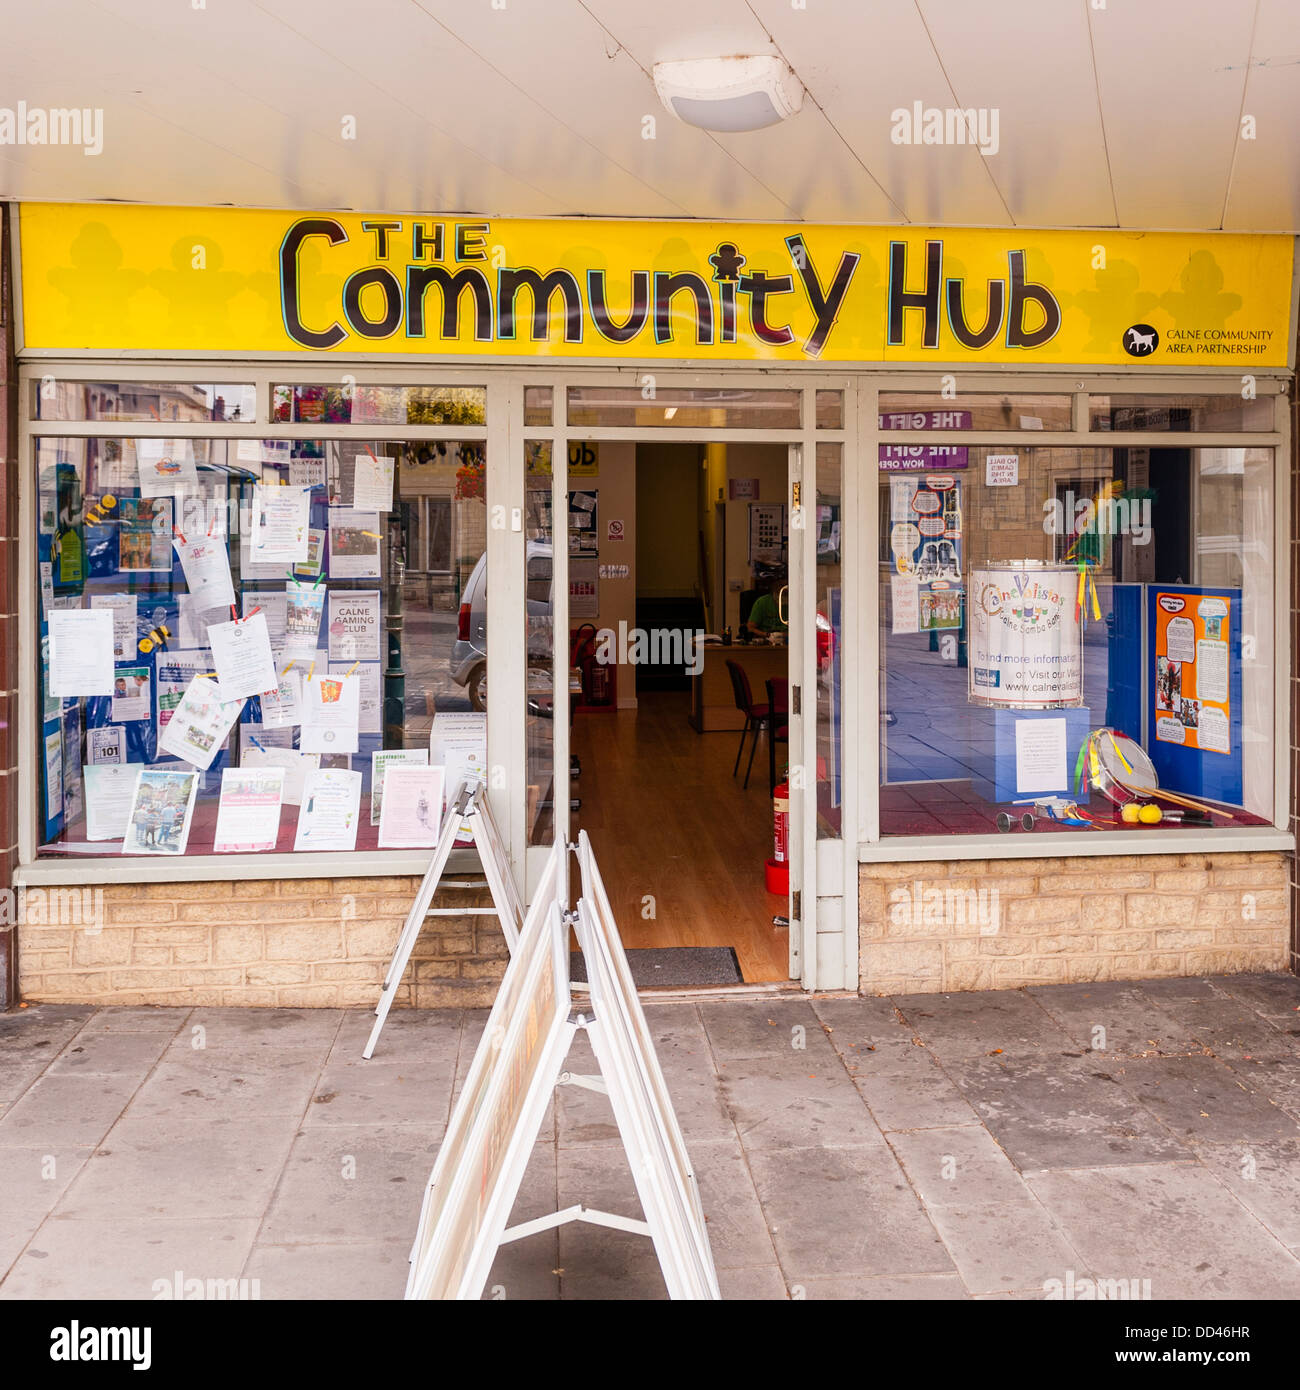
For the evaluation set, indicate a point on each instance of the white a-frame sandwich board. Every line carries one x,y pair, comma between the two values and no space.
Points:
519,1062
468,807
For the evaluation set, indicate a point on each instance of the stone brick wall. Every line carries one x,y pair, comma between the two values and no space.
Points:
292,943
1004,923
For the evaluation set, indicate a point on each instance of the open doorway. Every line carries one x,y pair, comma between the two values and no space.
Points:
678,613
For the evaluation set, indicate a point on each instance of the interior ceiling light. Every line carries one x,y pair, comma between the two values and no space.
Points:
729,94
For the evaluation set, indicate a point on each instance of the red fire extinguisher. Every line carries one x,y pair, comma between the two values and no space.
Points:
597,677
781,822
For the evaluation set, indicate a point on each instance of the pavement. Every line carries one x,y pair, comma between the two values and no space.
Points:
1008,1144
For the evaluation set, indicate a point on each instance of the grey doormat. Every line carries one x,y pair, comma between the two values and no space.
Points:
675,967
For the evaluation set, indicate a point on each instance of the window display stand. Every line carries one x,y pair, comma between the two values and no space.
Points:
995,769
469,809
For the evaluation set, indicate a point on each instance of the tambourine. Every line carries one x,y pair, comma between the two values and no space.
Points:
1119,768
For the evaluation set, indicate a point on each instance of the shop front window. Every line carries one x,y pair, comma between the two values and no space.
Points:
1076,639
223,622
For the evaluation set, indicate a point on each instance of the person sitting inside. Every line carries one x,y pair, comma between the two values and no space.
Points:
765,615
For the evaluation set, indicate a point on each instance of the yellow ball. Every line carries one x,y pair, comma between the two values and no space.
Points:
1129,814
1150,815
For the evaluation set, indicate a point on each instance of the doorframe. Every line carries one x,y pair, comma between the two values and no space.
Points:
824,872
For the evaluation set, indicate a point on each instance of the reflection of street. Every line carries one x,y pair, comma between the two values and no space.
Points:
427,638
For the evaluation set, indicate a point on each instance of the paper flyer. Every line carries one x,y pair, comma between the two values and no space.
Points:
144,535
280,523
380,762
411,814
167,467
107,744
1193,704
54,774
372,483
206,565
46,568
199,725
241,654
123,609
81,652
354,624
194,622
330,813
304,604
249,566
273,606
131,690
308,473
110,791
295,765
73,802
370,709
353,544
458,743
310,568
161,809
331,711
175,672
248,816
255,733
282,705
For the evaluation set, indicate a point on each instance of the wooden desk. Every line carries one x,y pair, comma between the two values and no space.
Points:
713,703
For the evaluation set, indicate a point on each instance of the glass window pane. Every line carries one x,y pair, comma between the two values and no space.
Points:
928,410
830,627
413,638
1067,625
538,636
1218,414
830,410
538,405
142,400
340,404
683,408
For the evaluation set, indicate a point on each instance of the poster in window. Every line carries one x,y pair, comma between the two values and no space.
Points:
1192,670
144,535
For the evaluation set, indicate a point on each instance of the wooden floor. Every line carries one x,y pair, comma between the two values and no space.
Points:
669,824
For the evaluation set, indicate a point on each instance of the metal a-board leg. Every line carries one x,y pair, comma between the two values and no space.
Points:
410,932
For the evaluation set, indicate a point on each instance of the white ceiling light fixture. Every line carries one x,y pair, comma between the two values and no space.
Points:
729,94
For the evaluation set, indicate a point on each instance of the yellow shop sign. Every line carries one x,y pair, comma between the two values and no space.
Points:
240,281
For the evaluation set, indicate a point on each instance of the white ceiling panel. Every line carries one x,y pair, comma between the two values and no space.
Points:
1170,104
1044,82
1265,191
861,65
1128,113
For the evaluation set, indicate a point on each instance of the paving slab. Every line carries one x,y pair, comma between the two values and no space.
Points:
148,1169
1114,1017
1273,995
30,1039
65,1111
779,1031
918,1288
147,1018
237,1029
204,1088
359,1270
1277,1079
926,1100
1172,1223
126,1259
1229,1029
844,1211
1201,1099
980,1023
960,1166
999,1246
1063,1112
110,1054
409,1035
773,1107
872,1038
380,1093
355,1183
1264,1177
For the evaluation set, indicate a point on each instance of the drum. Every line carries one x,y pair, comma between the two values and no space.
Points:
1026,639
1119,768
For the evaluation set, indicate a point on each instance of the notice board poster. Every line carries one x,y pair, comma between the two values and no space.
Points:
925,538
1194,670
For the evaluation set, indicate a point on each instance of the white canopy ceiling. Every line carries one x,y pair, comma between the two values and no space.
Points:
1110,112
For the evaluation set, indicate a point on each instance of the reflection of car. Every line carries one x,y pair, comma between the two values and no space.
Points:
469,651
